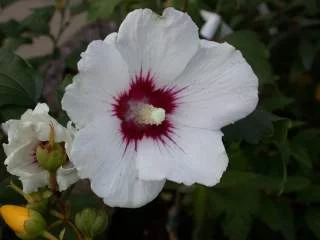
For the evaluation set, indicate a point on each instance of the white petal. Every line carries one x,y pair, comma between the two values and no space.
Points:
99,154
41,108
162,45
219,88
66,176
41,121
18,134
70,133
111,38
32,184
102,75
192,156
21,161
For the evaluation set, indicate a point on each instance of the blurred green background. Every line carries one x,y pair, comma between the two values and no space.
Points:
271,189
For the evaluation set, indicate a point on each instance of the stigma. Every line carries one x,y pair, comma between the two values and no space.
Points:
148,114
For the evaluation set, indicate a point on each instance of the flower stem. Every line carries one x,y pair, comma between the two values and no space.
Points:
19,190
55,224
49,236
57,214
53,182
76,230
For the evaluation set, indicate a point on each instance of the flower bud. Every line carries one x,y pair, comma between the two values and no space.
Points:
26,223
40,200
50,157
91,222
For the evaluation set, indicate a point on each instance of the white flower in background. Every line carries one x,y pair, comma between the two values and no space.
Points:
212,23
24,136
151,100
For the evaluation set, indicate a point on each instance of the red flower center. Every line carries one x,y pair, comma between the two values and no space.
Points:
143,90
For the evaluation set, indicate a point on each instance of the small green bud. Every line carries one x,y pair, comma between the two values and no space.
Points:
91,222
40,200
35,225
51,157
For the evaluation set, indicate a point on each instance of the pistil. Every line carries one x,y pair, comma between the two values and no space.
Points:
148,114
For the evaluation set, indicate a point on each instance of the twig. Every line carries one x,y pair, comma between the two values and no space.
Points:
62,27
49,236
76,230
57,215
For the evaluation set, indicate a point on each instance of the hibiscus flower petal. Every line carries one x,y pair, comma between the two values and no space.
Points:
102,74
18,135
21,162
219,88
192,155
161,45
33,183
66,176
110,164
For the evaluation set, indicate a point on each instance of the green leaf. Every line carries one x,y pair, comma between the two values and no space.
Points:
20,84
11,112
238,213
252,128
38,21
309,139
278,216
276,102
10,28
5,3
13,43
101,9
281,129
310,194
255,52
200,201
79,8
313,220
246,179
301,155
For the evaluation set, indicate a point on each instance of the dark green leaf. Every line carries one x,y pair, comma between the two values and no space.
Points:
19,82
232,179
239,205
310,194
281,129
252,128
200,212
5,3
79,8
13,43
10,28
313,220
11,112
276,102
38,21
101,9
255,52
278,216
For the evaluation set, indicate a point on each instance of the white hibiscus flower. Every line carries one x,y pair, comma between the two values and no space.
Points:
151,100
24,136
